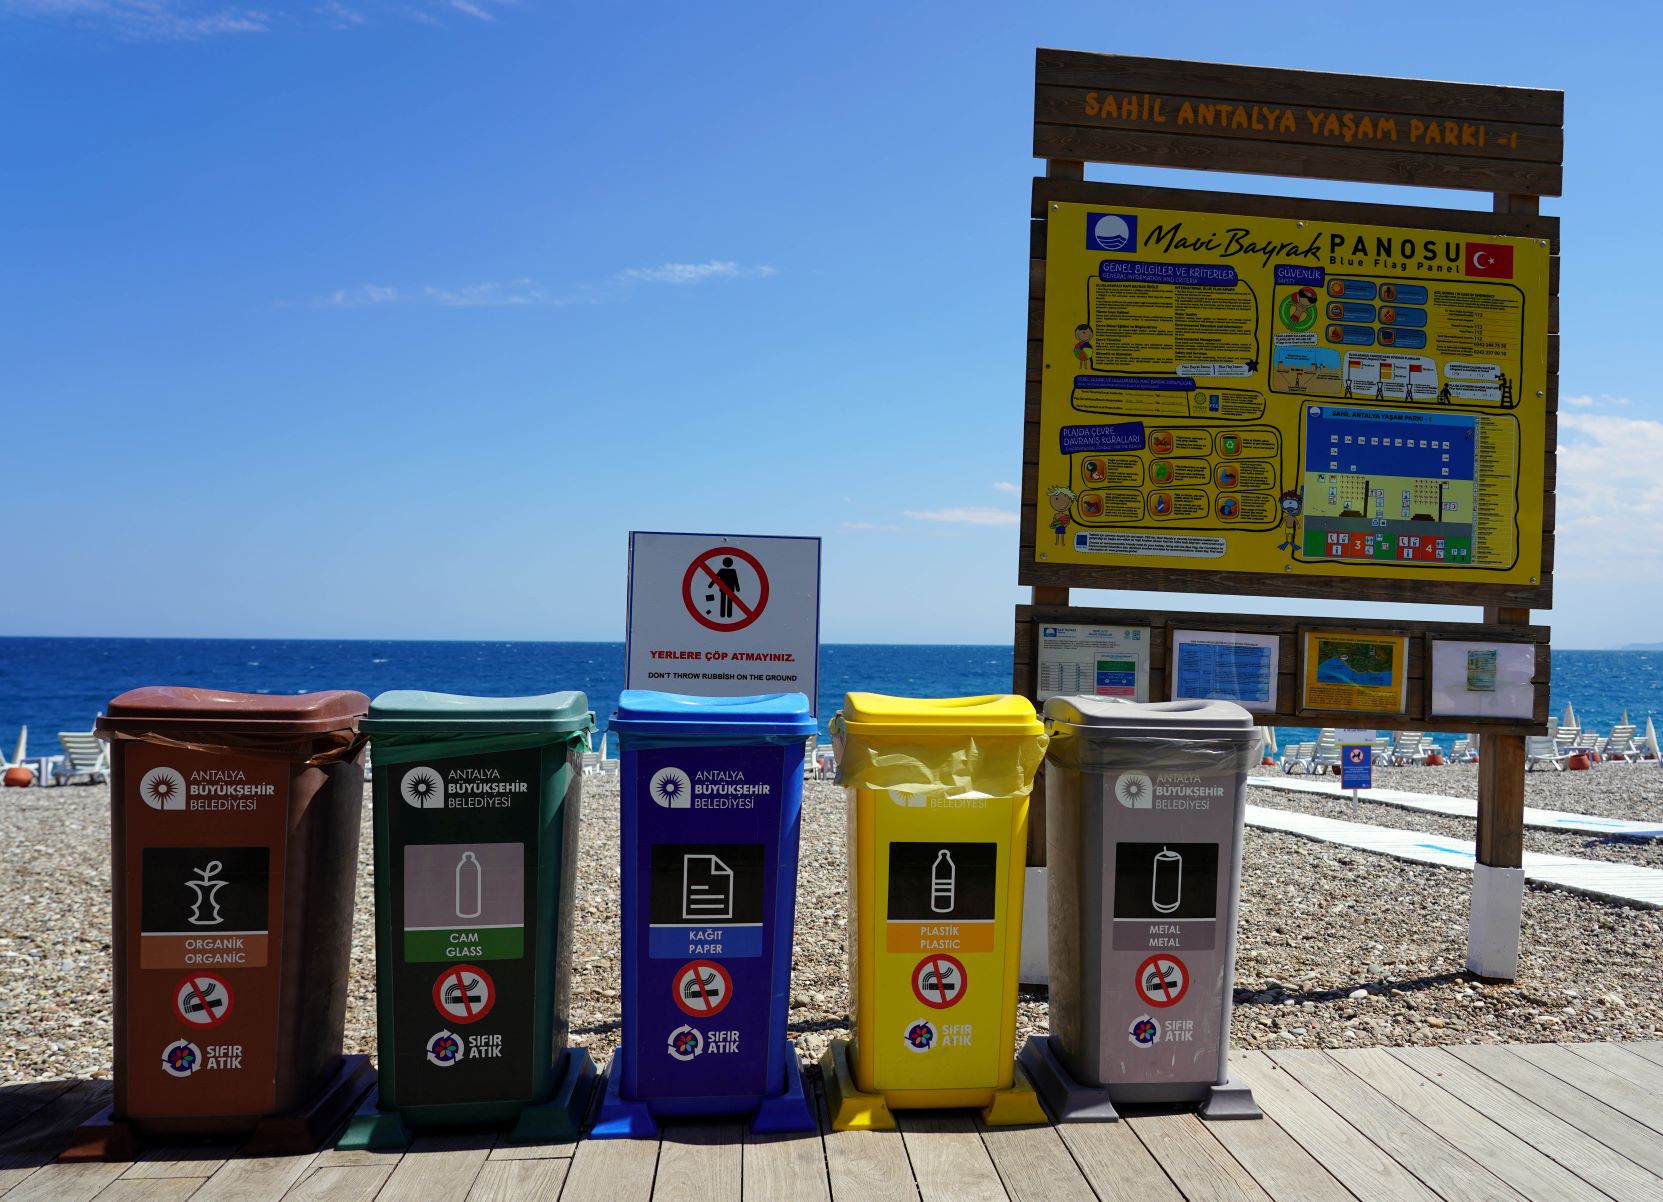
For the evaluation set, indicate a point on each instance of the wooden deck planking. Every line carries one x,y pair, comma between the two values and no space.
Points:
617,1169
150,1189
340,1183
1587,1114
1649,1049
865,1166
520,1180
949,1159
1286,1171
1637,1071
203,1160
255,1179
1487,1142
1351,1158
1539,1126
437,1168
1033,1162
699,1161
1197,1163
40,1134
1117,1164
1614,1089
787,1166
80,1182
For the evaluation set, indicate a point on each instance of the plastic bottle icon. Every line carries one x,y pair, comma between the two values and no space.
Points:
943,883
207,894
470,887
1166,885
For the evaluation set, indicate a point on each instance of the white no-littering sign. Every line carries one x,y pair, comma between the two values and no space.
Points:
723,615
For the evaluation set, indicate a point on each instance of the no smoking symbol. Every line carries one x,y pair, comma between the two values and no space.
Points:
703,988
939,981
1163,980
464,995
203,1000
715,592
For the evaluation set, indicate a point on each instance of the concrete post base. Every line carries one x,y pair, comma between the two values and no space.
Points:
1493,932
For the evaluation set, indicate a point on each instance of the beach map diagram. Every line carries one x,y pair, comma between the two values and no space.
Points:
1268,394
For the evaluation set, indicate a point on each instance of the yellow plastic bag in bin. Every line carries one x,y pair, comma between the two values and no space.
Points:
938,831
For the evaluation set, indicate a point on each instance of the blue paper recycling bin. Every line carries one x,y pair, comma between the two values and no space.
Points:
712,796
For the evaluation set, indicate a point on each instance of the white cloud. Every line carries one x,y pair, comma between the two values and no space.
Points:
159,20
1006,486
339,16
695,273
1610,498
965,515
1589,402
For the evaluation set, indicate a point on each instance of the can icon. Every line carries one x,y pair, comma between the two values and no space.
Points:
1166,881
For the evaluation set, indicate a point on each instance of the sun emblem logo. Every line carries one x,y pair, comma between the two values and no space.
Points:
162,789
920,1035
671,789
423,788
1135,791
685,1043
181,1058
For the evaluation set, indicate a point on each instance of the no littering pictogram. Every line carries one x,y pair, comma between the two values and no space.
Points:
1163,980
939,981
464,994
703,988
716,593
203,1000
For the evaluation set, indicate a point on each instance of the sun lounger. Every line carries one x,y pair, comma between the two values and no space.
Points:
1542,749
1296,757
85,754
1406,748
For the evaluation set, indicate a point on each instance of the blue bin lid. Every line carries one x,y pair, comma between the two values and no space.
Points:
772,715
414,711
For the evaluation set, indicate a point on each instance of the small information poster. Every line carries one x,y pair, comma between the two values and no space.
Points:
1217,665
1483,680
1364,673
1094,661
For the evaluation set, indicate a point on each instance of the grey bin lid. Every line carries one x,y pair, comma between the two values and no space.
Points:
1098,717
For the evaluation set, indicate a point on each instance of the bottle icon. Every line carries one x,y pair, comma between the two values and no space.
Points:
470,887
207,894
943,883
1166,884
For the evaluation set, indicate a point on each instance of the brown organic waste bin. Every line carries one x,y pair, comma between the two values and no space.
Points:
234,853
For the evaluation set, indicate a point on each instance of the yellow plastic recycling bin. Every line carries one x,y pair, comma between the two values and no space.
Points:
938,833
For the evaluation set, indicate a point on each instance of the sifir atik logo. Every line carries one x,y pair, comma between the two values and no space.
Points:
1491,259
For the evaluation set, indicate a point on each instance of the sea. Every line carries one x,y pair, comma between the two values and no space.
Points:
62,684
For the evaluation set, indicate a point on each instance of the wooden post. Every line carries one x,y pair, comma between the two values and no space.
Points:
1042,594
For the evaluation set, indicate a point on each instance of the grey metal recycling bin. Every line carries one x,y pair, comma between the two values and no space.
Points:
1144,809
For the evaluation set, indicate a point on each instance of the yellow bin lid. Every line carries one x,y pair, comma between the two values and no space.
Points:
873,714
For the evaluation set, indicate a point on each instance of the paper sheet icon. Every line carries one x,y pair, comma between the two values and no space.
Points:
706,889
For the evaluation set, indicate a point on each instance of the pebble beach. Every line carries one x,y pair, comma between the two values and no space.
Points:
1338,948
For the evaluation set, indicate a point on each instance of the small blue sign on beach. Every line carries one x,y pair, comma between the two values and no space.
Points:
1357,766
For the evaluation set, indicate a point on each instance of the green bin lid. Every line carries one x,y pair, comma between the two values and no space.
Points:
413,711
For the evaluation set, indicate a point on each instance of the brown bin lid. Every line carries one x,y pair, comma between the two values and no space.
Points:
175,707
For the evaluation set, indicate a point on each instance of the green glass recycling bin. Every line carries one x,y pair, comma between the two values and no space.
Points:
476,805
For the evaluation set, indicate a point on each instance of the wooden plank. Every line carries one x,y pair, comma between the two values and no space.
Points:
1539,1126
337,1158
949,1159
77,1181
1624,1061
1197,1163
1444,1169
1353,1160
340,1183
1639,1102
1587,1114
1486,1141
1117,1164
150,1189
202,1160
786,1166
699,1161
256,1179
1649,1049
1033,1162
519,1180
18,1102
437,1168
865,1166
1282,1168
618,1169
505,1150
40,1136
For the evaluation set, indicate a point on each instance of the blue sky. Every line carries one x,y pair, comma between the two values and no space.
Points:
391,317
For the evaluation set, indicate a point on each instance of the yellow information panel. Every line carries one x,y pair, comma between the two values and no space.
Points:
1260,394
1367,673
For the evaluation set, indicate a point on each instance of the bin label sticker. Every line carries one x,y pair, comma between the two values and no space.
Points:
203,999
703,988
464,901
204,906
706,900
464,995
939,981
725,588
463,839
1162,980
941,896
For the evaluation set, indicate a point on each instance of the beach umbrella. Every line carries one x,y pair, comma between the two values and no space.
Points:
1270,740
22,745
1625,715
1651,739
1569,720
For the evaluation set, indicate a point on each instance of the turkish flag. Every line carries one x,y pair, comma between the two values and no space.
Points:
1490,259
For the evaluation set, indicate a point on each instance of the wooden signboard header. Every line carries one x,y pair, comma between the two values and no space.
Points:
1111,108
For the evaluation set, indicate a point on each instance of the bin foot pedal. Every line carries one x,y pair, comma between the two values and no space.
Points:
787,1113
1232,1100
560,1119
1018,1106
1065,1099
618,1117
850,1108
303,1130
103,1137
372,1129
